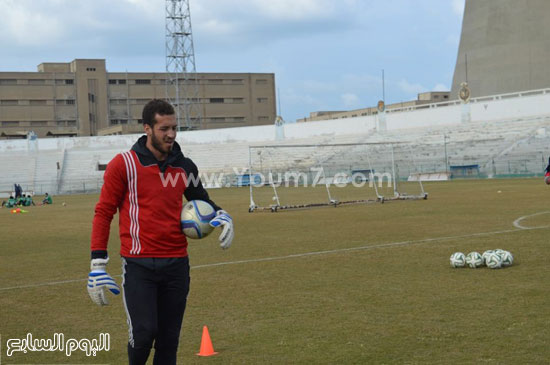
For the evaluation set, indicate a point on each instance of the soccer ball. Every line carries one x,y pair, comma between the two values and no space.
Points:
474,259
458,259
486,254
493,260
506,257
195,218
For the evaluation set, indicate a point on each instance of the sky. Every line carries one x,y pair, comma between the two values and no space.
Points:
325,54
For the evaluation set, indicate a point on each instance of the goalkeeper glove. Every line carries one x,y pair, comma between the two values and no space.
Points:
224,219
98,280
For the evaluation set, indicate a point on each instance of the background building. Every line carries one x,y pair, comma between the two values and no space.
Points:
423,98
504,47
81,98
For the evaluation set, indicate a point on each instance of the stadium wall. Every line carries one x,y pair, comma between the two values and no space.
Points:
499,107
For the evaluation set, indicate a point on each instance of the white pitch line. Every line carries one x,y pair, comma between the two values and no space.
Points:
315,253
382,245
517,221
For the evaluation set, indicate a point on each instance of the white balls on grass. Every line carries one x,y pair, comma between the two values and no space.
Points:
458,259
493,259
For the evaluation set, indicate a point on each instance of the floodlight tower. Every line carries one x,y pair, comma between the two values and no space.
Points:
182,88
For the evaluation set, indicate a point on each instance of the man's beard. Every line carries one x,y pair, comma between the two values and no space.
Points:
159,145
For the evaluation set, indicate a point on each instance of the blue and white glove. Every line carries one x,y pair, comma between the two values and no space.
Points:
224,219
98,280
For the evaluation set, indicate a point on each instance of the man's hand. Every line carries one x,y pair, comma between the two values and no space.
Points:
98,280
224,219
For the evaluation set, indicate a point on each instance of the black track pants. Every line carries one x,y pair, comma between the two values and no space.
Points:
155,294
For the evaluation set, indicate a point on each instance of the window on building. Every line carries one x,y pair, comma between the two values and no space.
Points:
184,81
37,81
10,123
261,100
238,119
445,96
216,100
122,82
143,82
69,81
70,101
237,81
37,102
261,82
39,123
9,102
215,81
101,166
263,118
217,119
112,82
114,121
8,81
71,123
90,68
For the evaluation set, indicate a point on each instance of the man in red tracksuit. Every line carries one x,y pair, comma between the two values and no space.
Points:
146,185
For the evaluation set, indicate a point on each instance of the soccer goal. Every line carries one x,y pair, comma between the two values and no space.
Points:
284,177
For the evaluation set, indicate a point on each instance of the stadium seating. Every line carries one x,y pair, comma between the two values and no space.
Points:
498,147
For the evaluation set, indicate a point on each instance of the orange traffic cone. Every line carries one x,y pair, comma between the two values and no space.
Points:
206,344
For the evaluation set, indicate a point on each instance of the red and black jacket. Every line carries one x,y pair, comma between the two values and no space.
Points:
148,196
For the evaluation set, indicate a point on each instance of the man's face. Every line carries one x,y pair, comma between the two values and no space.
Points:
162,135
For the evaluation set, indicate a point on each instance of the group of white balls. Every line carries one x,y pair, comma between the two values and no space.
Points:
493,259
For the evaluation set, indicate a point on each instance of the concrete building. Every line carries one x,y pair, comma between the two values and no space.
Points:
504,47
81,98
429,97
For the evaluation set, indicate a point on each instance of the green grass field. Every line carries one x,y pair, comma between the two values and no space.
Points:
362,284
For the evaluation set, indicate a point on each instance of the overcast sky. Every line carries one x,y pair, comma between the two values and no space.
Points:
326,54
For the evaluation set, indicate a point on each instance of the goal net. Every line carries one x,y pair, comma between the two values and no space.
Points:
303,176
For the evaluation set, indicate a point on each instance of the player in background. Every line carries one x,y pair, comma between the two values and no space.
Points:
146,185
547,175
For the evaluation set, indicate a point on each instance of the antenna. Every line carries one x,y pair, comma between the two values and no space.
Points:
383,88
466,65
279,102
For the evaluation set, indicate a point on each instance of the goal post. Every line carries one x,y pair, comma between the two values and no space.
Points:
303,176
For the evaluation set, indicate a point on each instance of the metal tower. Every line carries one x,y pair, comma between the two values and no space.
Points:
182,88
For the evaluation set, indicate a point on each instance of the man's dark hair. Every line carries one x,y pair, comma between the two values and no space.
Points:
156,106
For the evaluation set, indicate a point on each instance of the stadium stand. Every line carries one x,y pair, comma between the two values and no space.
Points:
512,146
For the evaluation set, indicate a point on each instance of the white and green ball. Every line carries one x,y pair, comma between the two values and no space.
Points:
474,259
493,260
458,259
486,254
506,258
